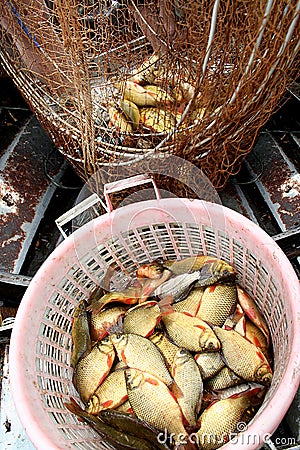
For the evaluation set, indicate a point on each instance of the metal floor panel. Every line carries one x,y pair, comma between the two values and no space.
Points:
25,192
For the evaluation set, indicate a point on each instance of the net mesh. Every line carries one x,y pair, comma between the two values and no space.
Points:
119,81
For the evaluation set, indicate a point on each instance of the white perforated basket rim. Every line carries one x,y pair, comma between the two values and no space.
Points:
27,396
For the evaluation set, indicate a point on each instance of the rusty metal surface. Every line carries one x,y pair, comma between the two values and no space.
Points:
278,181
25,192
233,197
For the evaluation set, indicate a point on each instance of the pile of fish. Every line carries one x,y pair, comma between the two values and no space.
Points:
151,99
177,360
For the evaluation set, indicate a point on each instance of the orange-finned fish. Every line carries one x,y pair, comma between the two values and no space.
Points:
154,403
129,296
101,321
142,319
131,111
136,93
211,270
217,303
219,420
162,97
157,119
80,333
186,374
252,312
243,357
251,332
194,263
216,272
93,368
190,332
110,394
210,363
140,353
119,121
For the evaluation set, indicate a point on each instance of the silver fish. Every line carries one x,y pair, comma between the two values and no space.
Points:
177,287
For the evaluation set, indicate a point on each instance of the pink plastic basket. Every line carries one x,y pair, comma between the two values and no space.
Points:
127,237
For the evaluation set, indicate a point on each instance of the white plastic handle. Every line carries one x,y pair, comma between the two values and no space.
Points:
67,217
120,185
109,188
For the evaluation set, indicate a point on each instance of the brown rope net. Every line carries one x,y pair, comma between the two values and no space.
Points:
115,82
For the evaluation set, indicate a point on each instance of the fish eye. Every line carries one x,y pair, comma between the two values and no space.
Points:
226,272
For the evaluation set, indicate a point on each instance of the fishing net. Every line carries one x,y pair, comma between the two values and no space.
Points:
120,81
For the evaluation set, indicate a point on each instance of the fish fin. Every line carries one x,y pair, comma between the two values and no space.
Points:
187,314
106,404
95,307
165,304
175,390
152,381
209,396
187,445
152,330
117,327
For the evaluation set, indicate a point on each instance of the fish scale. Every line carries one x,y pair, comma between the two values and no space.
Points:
190,332
166,347
110,394
102,320
140,353
210,364
191,303
219,420
92,369
217,303
153,402
243,357
142,319
225,378
187,377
